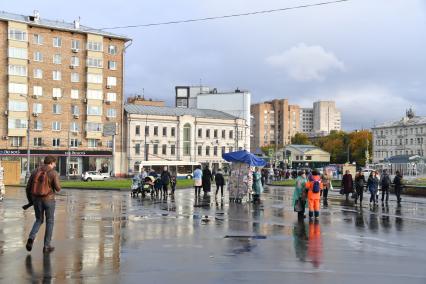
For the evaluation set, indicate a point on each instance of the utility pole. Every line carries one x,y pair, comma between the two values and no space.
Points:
28,173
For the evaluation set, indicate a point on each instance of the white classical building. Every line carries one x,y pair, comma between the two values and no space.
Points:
402,137
187,135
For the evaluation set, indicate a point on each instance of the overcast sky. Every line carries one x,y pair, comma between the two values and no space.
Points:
367,55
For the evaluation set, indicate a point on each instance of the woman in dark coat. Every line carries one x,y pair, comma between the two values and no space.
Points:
207,179
347,184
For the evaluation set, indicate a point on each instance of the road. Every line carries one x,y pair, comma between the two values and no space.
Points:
109,237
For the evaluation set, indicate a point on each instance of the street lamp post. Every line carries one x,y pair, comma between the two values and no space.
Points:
28,173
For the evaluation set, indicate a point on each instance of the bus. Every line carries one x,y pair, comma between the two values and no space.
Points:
182,169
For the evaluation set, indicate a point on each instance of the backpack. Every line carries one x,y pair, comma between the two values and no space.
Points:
40,186
386,181
316,187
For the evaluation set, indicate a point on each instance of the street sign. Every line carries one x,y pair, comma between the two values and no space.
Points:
109,129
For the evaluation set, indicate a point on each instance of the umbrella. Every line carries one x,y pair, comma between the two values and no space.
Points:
244,156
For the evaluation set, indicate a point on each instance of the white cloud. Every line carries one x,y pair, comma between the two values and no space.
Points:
306,63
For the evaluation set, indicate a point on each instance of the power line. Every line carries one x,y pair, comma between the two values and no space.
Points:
224,16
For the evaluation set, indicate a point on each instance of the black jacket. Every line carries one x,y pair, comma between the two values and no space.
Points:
360,182
219,179
165,177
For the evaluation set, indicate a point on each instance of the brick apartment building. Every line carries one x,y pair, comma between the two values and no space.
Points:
65,82
274,123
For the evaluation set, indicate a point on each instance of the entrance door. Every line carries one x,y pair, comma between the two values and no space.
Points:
74,169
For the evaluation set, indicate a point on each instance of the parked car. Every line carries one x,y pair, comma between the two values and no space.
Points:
92,175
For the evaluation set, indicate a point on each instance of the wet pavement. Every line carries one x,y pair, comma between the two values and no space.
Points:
109,237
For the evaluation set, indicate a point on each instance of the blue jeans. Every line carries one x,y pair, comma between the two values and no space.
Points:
42,208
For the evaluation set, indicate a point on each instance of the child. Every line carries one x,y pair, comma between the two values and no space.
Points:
173,184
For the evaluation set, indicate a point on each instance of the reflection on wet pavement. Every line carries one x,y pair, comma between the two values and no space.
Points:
109,237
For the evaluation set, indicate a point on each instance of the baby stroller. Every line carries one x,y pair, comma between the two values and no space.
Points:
136,186
148,186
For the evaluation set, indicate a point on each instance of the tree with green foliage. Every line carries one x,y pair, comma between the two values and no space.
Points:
300,139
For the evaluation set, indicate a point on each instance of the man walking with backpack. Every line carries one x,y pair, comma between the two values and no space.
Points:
41,188
385,182
314,187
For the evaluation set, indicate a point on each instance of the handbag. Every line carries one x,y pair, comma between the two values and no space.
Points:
299,205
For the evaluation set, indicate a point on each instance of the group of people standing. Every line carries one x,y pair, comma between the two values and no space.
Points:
203,179
162,182
372,184
309,188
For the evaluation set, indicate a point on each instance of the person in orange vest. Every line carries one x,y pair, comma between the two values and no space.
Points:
314,187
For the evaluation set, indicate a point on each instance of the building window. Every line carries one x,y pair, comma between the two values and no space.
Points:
223,134
207,150
16,123
112,65
111,81
187,139
57,41
38,73
137,130
56,75
57,59
146,130
75,44
223,150
56,109
155,149
164,149
111,97
199,150
200,133
56,142
231,149
173,132
17,52
164,131
56,126
18,70
155,130
94,110
37,141
94,78
112,49
110,144
38,39
208,133
173,150
75,61
17,141
231,134
74,127
94,127
92,143
94,46
215,133
56,92
75,110
94,62
38,56
215,151
137,149
18,106
74,94
74,143
75,77
94,95
38,125
17,88
19,35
